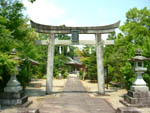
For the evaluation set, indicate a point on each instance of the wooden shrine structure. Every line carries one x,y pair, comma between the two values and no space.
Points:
75,31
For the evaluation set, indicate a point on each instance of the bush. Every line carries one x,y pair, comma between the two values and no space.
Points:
65,75
81,74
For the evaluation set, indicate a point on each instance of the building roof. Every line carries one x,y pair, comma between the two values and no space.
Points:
33,62
74,61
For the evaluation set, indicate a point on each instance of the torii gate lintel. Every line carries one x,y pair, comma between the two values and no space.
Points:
68,30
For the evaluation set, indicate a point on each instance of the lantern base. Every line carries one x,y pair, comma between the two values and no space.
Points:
13,98
13,93
136,99
137,96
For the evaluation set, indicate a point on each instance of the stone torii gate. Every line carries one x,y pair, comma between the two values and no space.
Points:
75,31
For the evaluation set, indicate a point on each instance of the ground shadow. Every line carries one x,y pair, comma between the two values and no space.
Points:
61,92
35,92
90,92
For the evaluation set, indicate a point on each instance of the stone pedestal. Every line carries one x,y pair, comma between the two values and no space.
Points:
138,95
13,93
137,99
9,99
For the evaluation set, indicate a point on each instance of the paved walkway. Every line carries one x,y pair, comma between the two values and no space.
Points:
75,99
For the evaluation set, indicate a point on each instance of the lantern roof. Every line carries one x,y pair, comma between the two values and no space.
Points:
139,57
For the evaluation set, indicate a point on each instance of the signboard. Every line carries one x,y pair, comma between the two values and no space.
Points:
75,37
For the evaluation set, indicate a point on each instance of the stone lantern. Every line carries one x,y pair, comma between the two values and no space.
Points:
138,95
139,84
13,92
13,84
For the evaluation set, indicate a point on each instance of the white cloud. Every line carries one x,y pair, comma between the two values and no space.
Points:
43,11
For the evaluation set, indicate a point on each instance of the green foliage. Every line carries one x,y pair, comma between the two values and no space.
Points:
12,12
146,77
81,73
6,41
6,61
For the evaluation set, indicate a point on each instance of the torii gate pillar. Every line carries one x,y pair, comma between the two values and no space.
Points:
100,65
50,64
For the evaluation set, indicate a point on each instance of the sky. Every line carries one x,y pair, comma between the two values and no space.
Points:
81,12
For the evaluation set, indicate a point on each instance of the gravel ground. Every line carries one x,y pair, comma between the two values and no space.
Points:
114,95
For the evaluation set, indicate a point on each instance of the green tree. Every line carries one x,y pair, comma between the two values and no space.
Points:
135,34
15,33
89,60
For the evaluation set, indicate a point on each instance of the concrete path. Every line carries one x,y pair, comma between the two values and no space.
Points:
75,99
